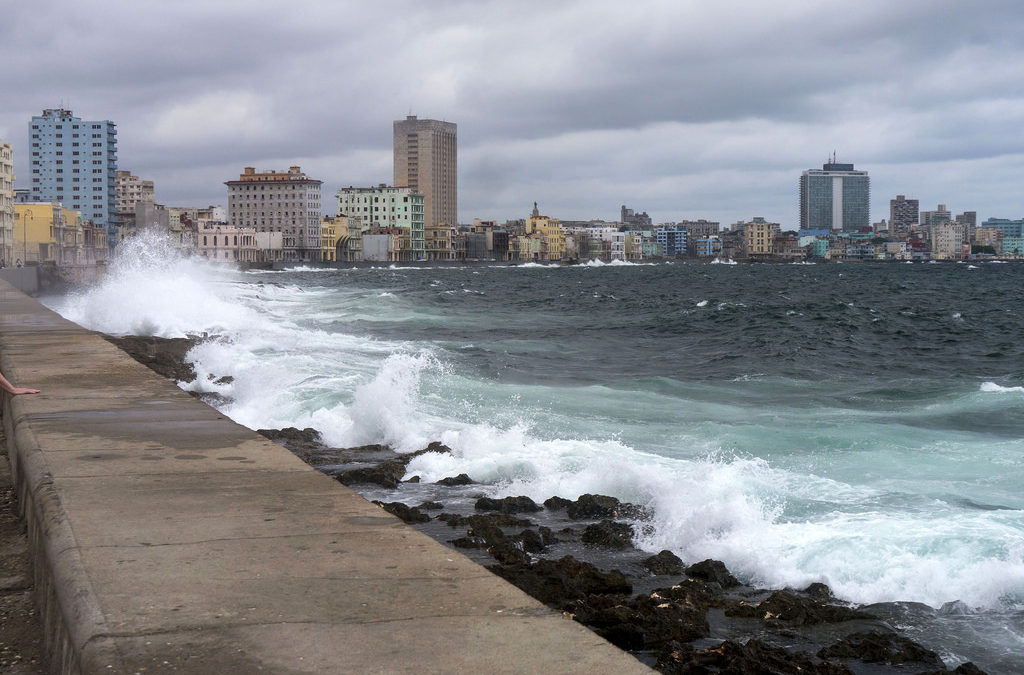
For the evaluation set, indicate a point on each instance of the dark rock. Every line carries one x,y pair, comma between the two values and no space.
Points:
665,562
643,622
165,356
608,533
556,582
407,513
786,608
963,669
507,505
227,379
453,519
712,570
875,647
819,591
386,474
430,506
364,449
496,520
752,658
291,437
546,535
593,507
451,481
414,479
694,593
531,541
556,503
469,542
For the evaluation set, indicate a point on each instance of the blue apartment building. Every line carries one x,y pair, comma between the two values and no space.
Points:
672,239
74,161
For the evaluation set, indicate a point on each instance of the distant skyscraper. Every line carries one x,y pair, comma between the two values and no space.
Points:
836,197
940,215
902,214
426,161
75,162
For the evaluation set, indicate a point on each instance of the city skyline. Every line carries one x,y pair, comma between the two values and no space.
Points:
678,109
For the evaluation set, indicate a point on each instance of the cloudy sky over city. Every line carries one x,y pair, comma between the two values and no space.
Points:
684,109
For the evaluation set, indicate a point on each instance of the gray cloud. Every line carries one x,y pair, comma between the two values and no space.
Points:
683,109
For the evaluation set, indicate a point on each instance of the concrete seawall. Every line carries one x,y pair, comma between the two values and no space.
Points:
167,538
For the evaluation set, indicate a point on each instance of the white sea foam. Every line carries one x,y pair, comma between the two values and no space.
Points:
993,387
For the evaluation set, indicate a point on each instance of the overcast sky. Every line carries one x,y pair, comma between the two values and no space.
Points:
684,109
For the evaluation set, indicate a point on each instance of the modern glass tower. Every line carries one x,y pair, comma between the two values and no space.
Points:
75,162
836,197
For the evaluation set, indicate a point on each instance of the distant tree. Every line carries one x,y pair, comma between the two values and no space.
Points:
979,248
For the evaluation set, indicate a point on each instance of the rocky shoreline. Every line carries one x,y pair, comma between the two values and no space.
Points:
577,557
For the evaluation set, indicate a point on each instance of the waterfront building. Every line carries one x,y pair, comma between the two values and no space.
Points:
759,237
903,214
708,246
440,242
1010,237
385,207
277,201
638,221
948,239
426,162
836,197
931,218
329,238
132,189
969,219
74,162
673,239
6,205
223,242
387,244
47,232
548,231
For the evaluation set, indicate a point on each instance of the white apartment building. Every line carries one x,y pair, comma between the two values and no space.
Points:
384,207
286,203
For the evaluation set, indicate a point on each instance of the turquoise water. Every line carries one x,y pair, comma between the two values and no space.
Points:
858,425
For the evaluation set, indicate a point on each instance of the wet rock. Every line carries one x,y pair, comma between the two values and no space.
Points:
227,379
665,562
165,356
608,533
712,570
294,439
409,514
469,542
556,503
453,519
386,474
752,657
367,449
546,535
590,506
783,607
507,505
430,506
414,479
496,520
819,591
693,593
963,669
531,541
556,582
875,647
643,622
452,481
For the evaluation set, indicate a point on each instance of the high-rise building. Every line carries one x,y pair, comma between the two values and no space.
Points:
131,190
287,202
940,215
426,162
902,214
6,205
836,197
74,162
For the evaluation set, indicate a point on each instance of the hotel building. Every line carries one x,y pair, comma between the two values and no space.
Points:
281,202
426,162
836,197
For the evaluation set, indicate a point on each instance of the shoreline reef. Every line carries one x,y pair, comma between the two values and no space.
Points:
577,556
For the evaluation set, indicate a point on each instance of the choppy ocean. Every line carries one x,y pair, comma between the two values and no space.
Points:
860,425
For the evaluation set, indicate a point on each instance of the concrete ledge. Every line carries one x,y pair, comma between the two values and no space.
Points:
168,538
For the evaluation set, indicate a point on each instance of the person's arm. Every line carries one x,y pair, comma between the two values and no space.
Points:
12,390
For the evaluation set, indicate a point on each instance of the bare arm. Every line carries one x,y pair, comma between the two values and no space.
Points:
12,390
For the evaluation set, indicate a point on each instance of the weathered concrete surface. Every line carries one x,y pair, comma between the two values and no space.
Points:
168,538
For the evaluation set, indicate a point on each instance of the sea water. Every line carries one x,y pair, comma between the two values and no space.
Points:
860,425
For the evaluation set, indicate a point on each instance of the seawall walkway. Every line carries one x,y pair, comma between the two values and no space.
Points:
167,538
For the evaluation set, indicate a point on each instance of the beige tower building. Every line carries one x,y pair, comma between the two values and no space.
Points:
6,205
425,161
131,190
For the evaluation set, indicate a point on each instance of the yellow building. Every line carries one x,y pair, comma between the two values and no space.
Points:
758,237
551,235
439,242
48,232
329,238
